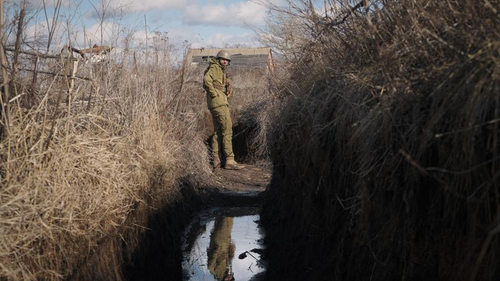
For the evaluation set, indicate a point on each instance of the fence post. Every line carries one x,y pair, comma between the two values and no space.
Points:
72,84
72,77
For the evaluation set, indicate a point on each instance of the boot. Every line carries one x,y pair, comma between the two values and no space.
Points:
232,165
216,163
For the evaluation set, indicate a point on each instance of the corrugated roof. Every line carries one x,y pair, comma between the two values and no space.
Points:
238,51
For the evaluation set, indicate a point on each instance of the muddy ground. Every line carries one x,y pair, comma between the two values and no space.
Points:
253,178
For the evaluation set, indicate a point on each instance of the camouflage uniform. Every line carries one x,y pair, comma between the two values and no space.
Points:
215,83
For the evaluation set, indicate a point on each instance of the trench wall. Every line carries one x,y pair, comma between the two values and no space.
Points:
148,245
374,195
392,182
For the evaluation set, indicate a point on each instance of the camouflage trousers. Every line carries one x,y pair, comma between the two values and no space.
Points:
223,132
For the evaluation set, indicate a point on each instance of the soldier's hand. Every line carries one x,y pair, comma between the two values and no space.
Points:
229,91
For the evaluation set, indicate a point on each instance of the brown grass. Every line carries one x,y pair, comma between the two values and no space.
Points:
252,97
78,161
386,156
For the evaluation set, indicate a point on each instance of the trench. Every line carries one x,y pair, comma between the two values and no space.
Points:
212,230
209,232
208,236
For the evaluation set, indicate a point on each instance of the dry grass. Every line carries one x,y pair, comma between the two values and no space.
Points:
77,161
249,108
387,154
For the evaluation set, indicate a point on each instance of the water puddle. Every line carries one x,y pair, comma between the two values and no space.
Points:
224,244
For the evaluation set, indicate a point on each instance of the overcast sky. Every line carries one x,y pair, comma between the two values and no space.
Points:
199,23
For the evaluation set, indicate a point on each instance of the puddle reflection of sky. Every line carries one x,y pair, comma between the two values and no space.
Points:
244,236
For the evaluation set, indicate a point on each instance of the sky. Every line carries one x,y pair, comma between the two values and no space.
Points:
194,23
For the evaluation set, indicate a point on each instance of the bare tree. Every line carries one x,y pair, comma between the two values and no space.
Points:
4,97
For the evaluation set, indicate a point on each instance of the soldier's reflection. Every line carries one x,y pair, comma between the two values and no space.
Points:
221,249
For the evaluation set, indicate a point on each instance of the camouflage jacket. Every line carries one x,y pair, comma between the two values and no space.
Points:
215,83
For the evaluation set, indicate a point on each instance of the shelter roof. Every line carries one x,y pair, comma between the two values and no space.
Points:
240,57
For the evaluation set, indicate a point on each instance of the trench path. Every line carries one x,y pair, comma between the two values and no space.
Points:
253,178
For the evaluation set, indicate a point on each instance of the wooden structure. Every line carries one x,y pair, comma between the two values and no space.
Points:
241,58
89,55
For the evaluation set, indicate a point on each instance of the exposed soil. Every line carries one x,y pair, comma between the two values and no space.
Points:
236,188
252,178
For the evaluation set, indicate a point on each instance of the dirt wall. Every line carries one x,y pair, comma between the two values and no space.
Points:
149,252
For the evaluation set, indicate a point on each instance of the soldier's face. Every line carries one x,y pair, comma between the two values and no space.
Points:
224,62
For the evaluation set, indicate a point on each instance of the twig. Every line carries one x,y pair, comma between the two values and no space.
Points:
484,248
463,171
337,21
56,74
247,252
40,55
414,163
421,169
493,121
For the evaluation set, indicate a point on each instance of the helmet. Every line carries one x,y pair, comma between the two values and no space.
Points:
223,54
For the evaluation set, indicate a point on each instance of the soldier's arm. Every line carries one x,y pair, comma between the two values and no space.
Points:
208,81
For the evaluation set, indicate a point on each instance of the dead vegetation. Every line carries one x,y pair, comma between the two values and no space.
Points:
386,156
88,152
248,107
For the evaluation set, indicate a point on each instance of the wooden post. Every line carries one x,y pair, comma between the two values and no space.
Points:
34,81
72,77
72,84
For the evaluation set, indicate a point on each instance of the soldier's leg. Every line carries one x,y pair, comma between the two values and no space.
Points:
216,136
227,134
226,130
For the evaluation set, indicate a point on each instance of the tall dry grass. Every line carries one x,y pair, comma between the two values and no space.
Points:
80,155
253,96
386,156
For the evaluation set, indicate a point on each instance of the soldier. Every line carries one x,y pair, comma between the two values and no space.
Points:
218,89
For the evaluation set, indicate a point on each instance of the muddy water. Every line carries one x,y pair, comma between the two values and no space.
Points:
224,244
